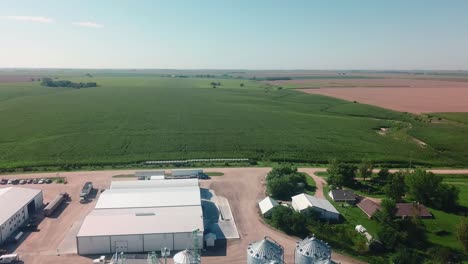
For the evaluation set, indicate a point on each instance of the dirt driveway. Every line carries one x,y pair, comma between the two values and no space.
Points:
244,187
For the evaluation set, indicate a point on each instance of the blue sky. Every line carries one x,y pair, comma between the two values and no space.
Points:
242,34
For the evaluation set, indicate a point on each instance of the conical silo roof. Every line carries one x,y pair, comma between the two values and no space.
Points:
185,257
265,250
314,248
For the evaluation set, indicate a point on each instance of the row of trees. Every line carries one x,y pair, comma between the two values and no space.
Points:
48,82
419,185
424,187
342,174
285,182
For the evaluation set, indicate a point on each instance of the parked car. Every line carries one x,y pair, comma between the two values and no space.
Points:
29,181
48,181
3,181
10,181
10,258
35,181
22,181
41,181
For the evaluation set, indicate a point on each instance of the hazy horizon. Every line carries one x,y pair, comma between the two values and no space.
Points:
240,35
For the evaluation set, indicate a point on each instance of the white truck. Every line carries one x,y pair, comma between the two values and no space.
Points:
10,258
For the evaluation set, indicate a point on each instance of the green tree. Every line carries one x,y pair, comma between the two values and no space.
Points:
291,222
341,174
386,214
383,175
242,85
428,188
365,169
285,182
395,188
406,256
462,233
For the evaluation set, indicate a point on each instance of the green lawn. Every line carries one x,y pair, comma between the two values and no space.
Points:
441,229
311,187
132,119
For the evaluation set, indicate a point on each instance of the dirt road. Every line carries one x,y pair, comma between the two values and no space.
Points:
319,181
244,187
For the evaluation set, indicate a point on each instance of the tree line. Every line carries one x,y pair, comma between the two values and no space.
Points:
49,82
418,185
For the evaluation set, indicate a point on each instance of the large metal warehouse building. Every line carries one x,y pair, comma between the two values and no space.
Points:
142,216
16,206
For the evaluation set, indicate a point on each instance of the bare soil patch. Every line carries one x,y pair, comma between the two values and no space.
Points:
414,96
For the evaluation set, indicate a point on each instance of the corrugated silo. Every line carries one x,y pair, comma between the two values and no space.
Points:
185,257
312,251
266,251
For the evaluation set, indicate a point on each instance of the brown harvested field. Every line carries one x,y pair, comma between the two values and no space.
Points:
414,96
14,79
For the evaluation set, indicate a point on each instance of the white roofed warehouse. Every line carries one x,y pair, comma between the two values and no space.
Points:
326,210
16,206
143,216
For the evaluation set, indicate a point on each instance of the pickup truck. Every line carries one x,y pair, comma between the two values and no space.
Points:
87,188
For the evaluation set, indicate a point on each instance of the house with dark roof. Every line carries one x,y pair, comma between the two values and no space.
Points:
412,209
340,195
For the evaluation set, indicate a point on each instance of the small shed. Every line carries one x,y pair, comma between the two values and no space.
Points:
266,205
340,195
210,240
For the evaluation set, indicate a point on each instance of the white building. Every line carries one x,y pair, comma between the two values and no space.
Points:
16,206
146,175
266,205
142,216
326,210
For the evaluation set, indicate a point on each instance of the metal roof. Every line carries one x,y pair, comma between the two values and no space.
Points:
267,204
134,184
149,197
265,250
185,257
107,222
149,173
12,199
314,248
412,209
368,207
343,195
304,200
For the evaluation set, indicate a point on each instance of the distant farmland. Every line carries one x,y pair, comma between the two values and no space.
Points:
405,95
131,119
